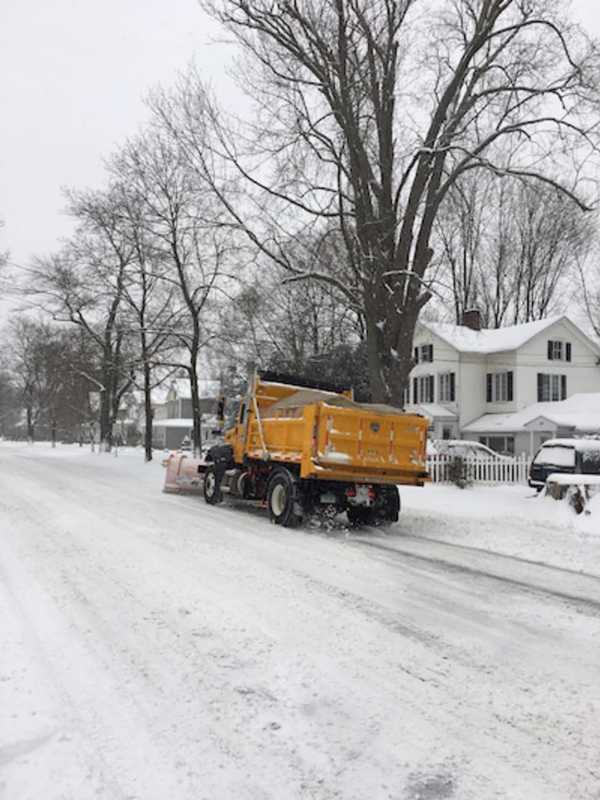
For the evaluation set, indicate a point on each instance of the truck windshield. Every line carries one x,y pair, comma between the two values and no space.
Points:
231,414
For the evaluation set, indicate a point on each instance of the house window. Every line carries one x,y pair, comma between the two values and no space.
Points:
447,387
559,350
499,387
423,389
551,387
424,354
499,444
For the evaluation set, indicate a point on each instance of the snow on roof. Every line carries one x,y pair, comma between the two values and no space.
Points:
206,388
580,412
431,410
579,444
496,340
173,423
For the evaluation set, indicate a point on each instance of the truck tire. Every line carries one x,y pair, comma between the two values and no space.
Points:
211,486
391,504
283,499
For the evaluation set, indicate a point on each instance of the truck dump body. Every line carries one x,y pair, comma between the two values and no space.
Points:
331,437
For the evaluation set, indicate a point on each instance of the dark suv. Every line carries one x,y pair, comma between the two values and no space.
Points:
580,456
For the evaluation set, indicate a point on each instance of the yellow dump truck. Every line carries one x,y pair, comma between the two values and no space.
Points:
305,447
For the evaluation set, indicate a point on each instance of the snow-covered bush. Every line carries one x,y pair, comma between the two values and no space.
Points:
460,472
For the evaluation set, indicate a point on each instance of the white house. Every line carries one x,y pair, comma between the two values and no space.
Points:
173,419
506,387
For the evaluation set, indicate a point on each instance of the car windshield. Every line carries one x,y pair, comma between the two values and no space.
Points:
556,456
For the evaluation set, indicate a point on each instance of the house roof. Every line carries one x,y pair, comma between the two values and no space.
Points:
496,340
581,412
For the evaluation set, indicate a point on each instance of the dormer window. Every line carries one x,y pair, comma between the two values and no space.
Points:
559,350
424,354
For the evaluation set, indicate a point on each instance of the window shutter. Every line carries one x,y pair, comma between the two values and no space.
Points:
568,351
563,387
430,352
540,387
509,386
416,355
489,387
550,352
431,381
452,387
415,390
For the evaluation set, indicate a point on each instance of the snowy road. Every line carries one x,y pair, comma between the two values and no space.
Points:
158,649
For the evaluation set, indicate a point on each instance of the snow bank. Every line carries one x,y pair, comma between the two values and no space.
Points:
511,520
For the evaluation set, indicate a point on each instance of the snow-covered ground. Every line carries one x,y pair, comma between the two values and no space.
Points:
153,647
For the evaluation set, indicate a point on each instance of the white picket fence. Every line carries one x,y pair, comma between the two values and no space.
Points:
480,470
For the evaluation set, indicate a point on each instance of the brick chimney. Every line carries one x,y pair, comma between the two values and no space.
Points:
472,319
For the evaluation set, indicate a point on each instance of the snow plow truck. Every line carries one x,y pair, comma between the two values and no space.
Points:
303,448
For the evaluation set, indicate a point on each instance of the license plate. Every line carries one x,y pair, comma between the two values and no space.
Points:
362,494
328,497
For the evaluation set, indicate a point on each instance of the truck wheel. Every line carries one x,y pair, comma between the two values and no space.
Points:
212,486
283,499
391,504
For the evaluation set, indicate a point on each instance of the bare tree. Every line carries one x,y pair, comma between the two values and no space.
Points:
9,402
461,230
188,248
3,265
84,284
285,325
509,249
148,294
369,114
551,238
45,363
27,338
587,294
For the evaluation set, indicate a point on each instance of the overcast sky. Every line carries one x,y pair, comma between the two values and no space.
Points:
73,73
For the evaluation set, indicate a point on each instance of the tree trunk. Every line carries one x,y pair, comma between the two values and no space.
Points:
389,353
379,393
196,414
148,413
105,420
30,425
53,434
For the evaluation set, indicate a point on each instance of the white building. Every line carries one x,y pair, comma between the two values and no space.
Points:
172,405
501,386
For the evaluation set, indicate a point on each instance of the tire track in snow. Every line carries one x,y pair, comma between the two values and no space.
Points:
547,575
